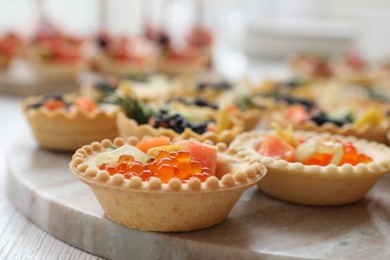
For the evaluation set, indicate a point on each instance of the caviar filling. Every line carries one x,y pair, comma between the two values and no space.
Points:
308,104
163,162
176,122
315,150
59,101
299,113
48,98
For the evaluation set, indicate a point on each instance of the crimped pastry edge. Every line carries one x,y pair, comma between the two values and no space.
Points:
379,135
63,130
246,142
247,173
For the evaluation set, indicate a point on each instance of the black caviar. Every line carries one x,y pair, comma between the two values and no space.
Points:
176,122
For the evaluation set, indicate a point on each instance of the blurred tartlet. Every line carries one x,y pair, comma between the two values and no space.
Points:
56,55
351,68
164,200
12,45
320,170
310,66
122,56
360,116
65,123
188,60
147,88
179,119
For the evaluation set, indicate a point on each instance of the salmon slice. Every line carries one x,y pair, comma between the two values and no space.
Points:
273,146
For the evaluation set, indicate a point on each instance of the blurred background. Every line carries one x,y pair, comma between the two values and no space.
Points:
246,33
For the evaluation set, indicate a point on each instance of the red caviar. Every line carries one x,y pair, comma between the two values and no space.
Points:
351,156
272,147
164,165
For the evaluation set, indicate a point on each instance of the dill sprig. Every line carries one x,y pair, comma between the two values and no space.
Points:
141,113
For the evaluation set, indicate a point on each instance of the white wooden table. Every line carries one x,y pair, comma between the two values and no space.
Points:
19,238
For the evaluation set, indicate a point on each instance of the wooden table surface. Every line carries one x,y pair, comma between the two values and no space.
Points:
20,238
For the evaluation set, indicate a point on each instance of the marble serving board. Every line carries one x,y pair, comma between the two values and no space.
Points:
42,187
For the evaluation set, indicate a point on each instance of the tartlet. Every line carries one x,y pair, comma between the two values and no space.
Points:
311,184
167,207
364,119
188,61
311,66
12,46
376,134
56,56
63,130
352,68
129,127
147,88
125,56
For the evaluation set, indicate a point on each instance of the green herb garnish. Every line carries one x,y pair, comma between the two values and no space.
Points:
141,113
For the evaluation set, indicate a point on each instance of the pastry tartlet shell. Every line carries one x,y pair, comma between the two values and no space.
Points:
316,185
372,133
166,207
251,118
376,134
67,131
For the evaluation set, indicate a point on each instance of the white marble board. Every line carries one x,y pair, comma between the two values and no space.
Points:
43,188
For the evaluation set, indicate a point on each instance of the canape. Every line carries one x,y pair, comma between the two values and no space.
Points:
176,119
156,185
359,117
12,45
66,122
122,56
314,169
188,60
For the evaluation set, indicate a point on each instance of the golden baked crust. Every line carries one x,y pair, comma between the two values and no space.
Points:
376,134
128,127
166,207
316,185
67,131
251,118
